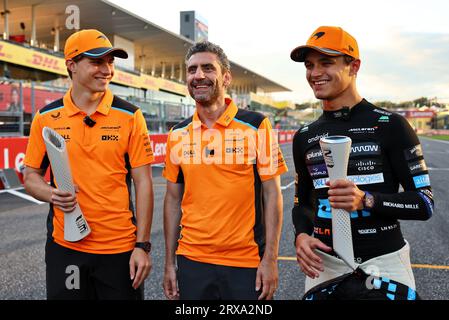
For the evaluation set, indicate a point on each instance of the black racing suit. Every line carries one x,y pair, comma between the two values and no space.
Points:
385,154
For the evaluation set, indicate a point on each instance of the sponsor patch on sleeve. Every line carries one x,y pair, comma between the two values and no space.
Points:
421,181
413,153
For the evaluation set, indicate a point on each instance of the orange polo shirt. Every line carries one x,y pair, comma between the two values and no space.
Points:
101,158
222,169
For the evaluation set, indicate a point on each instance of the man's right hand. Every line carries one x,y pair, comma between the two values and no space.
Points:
170,284
64,200
310,263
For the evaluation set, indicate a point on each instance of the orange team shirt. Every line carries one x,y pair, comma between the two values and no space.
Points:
222,170
100,159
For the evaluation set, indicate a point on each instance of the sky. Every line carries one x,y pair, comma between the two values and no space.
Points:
404,45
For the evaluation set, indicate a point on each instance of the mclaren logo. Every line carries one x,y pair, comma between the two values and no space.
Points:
318,35
102,37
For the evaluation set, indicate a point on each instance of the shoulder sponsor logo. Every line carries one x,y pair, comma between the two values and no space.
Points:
365,149
382,112
413,153
384,119
304,129
422,181
362,130
318,170
318,137
417,167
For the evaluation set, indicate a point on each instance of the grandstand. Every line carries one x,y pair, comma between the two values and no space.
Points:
153,77
33,72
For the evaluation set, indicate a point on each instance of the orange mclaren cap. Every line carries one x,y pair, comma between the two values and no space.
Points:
333,41
90,43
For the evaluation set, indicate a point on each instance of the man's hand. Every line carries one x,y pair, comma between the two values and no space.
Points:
344,194
170,284
309,262
267,278
64,200
139,266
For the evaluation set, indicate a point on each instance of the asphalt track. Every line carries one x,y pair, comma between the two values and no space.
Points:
22,238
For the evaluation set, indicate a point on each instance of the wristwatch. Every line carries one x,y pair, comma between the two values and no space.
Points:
368,201
146,246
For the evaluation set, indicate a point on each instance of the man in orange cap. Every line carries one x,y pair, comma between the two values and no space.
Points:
108,145
385,153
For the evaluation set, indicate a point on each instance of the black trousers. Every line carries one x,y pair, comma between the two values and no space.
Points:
360,286
75,275
205,281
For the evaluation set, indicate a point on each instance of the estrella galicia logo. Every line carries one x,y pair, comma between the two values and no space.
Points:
318,35
109,137
56,116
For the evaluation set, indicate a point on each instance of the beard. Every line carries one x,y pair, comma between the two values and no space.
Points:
208,97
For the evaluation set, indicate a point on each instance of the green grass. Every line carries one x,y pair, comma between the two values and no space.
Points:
440,137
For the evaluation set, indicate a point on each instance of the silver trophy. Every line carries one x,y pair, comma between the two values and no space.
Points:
75,225
336,150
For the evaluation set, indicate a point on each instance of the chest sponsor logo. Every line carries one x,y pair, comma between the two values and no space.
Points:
413,153
109,137
357,179
314,155
389,227
417,167
110,128
367,231
369,148
318,170
368,165
318,137
56,116
362,130
422,181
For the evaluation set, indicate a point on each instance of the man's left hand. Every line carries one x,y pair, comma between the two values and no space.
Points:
139,266
344,194
267,278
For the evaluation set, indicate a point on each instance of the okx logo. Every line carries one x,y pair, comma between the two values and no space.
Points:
109,137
